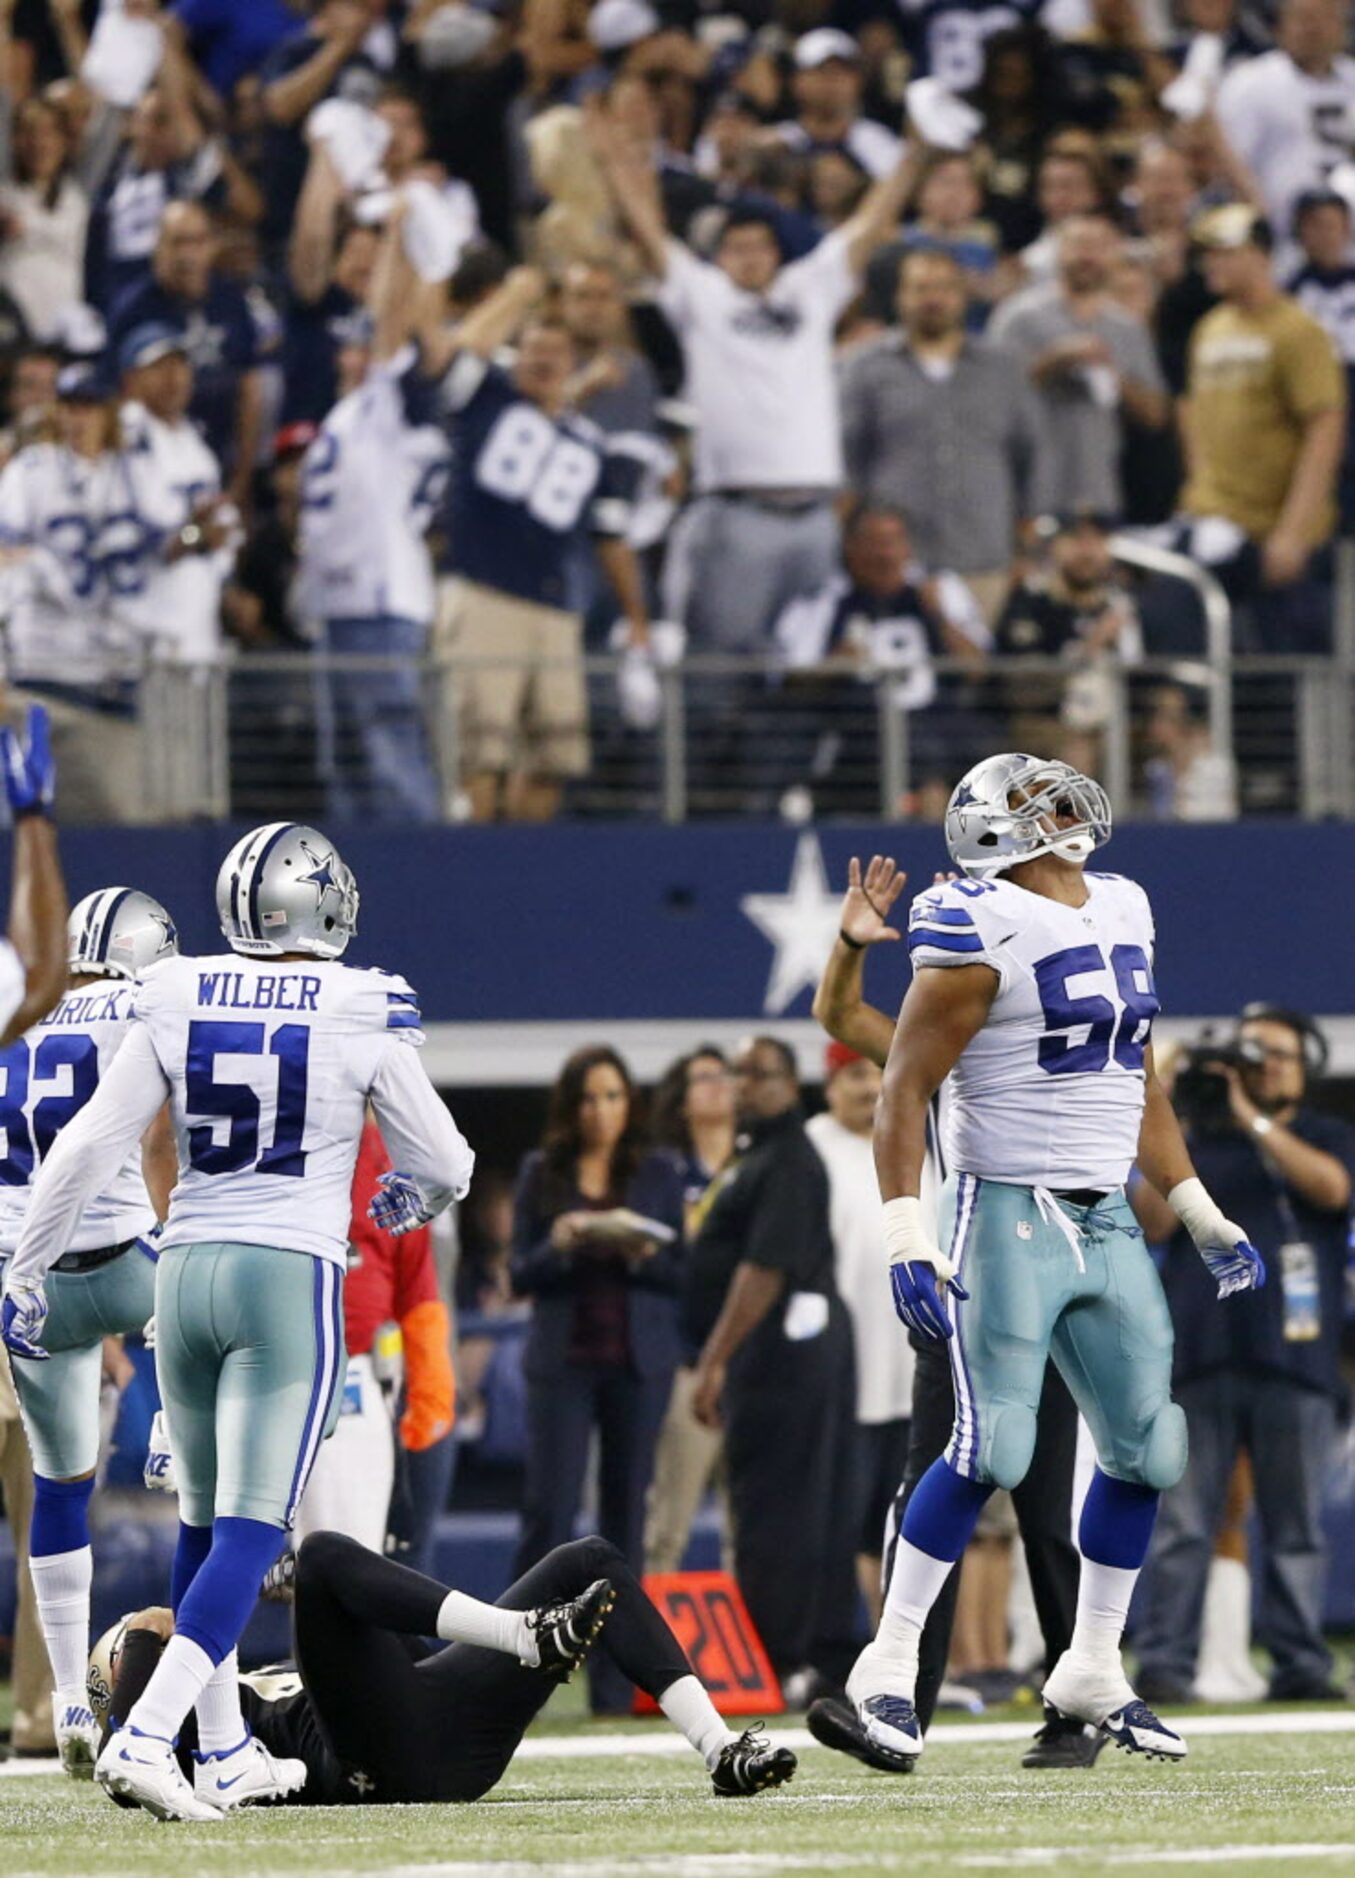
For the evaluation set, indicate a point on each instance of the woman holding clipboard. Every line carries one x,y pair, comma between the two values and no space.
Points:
597,1246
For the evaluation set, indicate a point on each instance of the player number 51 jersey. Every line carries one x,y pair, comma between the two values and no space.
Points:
1050,1092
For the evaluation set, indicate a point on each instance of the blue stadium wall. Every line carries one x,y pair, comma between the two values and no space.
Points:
630,922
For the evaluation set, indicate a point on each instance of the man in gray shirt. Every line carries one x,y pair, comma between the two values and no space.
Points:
1092,364
946,428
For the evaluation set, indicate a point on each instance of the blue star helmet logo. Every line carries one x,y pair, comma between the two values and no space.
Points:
168,929
964,796
322,879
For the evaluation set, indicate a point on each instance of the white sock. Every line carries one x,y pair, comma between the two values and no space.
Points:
180,1677
61,1584
463,1619
693,1714
1103,1595
221,1721
914,1586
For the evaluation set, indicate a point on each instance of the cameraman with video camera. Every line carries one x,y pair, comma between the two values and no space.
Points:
1264,1375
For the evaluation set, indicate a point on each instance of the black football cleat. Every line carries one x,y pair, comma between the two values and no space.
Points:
749,1764
837,1725
1064,1742
565,1633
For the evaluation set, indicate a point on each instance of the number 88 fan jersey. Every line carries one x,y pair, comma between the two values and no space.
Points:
524,485
1050,1092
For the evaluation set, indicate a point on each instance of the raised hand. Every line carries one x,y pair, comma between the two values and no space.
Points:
868,902
29,767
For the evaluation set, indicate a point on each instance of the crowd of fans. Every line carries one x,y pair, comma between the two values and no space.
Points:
810,313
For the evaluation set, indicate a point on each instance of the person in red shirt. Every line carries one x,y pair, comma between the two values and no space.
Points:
391,1282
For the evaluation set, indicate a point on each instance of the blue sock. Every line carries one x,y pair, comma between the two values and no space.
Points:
942,1511
60,1516
195,1542
1117,1522
217,1604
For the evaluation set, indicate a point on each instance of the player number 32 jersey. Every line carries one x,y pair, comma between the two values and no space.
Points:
1050,1092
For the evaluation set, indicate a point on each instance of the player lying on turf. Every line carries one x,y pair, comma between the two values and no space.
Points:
377,1716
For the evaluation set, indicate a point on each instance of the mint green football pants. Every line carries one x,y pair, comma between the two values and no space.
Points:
59,1399
1048,1278
249,1350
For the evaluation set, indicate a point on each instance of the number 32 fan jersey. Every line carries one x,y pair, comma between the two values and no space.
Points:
48,1076
1050,1093
268,1066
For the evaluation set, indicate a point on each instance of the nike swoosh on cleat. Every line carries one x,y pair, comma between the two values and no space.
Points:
224,1786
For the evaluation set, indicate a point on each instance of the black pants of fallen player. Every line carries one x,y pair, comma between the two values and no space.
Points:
1043,1504
446,1727
381,1718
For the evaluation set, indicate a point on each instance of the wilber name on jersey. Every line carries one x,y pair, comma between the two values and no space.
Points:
48,1076
1050,1092
270,1069
525,485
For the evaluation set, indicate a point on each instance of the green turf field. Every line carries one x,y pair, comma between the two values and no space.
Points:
1239,1805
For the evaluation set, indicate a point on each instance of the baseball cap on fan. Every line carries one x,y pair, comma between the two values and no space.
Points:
825,43
1235,225
148,343
617,25
838,1056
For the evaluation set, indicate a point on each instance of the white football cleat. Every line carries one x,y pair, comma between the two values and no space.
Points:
1105,1699
143,1768
246,1775
77,1733
886,1714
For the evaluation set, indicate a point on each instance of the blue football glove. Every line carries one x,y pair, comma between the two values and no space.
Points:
29,767
22,1316
397,1205
920,1274
921,1301
1233,1260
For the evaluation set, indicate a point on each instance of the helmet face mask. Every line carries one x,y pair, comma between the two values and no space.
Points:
285,888
118,932
1010,808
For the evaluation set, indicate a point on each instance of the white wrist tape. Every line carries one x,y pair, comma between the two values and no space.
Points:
908,1237
1199,1214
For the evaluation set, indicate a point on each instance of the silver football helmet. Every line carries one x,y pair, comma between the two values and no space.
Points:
1004,811
119,932
285,888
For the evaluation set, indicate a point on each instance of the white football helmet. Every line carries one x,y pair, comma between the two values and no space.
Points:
286,888
119,932
1004,811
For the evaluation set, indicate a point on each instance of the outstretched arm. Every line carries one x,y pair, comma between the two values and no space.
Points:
37,899
634,186
839,1002
487,327
881,208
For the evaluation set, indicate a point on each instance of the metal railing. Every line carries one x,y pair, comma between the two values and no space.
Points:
266,734
745,737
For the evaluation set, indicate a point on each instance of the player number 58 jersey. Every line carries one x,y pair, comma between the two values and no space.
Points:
1050,1092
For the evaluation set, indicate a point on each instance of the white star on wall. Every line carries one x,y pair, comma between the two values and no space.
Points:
800,923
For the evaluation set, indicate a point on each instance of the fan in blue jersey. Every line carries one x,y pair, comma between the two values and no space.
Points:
1033,993
946,38
531,478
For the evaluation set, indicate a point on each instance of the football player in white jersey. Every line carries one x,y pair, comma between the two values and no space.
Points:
103,1284
268,1054
1033,992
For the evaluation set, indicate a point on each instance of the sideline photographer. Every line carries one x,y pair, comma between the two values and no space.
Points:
1263,1376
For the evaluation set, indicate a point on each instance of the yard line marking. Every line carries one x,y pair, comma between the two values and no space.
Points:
1040,1856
